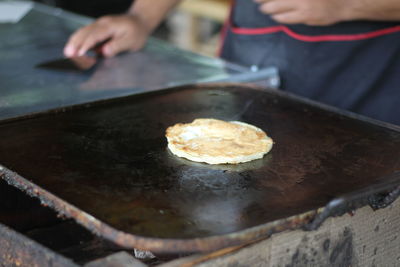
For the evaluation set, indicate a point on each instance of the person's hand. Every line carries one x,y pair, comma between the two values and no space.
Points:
309,12
121,33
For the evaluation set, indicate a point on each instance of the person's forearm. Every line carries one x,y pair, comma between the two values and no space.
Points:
151,12
373,10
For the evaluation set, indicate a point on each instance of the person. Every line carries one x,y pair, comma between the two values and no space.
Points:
344,53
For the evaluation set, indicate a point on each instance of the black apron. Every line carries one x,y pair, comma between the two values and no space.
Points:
350,65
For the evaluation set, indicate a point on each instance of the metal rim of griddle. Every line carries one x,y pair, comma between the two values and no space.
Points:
377,196
161,245
383,194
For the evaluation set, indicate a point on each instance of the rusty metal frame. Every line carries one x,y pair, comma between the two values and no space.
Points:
308,221
159,245
18,250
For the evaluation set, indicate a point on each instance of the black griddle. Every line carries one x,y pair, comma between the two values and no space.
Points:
106,164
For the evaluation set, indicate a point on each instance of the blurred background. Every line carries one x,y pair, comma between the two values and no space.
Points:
195,25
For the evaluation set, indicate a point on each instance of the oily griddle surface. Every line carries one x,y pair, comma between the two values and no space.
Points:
110,159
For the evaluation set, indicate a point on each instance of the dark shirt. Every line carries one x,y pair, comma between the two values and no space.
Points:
350,65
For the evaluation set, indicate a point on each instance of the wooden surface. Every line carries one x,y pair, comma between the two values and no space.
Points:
366,238
192,24
213,9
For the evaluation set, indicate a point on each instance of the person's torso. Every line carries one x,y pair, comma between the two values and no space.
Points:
351,65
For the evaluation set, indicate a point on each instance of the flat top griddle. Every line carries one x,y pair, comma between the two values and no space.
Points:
107,165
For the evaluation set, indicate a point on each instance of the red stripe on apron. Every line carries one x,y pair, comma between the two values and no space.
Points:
316,38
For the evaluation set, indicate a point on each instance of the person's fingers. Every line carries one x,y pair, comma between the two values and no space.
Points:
96,36
276,7
104,28
288,18
85,38
131,39
115,34
69,50
118,44
75,41
110,49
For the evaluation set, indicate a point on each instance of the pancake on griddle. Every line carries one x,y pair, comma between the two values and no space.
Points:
218,142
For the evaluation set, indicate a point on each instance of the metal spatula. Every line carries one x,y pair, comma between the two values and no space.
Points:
76,64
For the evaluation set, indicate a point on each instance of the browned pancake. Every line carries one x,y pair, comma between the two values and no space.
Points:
216,142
